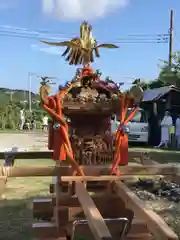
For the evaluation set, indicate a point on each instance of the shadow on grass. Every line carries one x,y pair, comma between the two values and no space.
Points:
16,219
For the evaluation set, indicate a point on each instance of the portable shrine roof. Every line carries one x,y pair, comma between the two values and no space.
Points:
157,93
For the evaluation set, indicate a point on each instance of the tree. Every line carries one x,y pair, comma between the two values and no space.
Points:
142,83
155,84
171,75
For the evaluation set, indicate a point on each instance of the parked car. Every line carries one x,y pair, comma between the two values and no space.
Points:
138,127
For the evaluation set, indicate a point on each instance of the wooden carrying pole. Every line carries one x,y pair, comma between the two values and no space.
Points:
29,171
155,224
96,222
2,185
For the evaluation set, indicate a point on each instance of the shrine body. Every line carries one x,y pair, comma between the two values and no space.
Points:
88,108
82,109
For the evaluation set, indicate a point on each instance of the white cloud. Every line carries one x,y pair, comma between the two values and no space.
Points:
49,50
81,9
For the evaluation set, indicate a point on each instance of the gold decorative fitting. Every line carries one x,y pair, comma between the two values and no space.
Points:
81,50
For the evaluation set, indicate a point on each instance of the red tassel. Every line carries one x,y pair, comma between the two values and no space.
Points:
59,152
50,135
124,150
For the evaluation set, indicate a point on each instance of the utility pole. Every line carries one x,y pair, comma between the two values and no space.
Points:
11,95
30,100
30,74
171,29
25,95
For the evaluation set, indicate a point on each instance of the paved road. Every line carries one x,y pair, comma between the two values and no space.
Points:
24,141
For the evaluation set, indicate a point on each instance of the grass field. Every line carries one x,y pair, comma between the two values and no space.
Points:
16,210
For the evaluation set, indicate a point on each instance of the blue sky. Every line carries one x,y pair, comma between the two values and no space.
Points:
112,21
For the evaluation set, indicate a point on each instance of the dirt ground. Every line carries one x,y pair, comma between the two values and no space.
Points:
26,141
169,211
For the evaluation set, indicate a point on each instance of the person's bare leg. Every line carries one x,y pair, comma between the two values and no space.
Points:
178,141
161,143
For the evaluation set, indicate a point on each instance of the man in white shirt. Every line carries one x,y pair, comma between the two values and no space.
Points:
22,119
166,125
45,123
178,131
114,125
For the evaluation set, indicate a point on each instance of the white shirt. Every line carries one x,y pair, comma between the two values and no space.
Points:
45,120
178,126
167,121
165,128
114,126
21,114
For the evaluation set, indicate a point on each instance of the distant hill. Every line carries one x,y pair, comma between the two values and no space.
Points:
16,95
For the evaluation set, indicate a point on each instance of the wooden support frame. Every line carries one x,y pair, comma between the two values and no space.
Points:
147,160
96,223
2,186
154,222
156,226
23,154
30,171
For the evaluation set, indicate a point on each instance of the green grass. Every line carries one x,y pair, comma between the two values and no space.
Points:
161,155
16,210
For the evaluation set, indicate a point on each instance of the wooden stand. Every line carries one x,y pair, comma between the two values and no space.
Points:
95,211
2,186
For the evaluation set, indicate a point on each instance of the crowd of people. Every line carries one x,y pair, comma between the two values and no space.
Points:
169,132
30,124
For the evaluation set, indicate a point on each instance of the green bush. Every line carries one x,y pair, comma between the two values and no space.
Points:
10,116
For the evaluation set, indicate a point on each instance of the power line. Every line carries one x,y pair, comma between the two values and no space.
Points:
74,34
159,36
123,41
25,33
150,35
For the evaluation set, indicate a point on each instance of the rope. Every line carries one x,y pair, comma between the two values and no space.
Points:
121,138
55,111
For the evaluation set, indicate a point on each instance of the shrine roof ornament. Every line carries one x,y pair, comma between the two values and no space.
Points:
81,50
87,97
